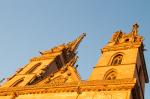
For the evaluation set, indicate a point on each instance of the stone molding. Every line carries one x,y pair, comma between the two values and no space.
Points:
79,87
120,47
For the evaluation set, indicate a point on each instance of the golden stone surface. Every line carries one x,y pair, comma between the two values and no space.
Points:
120,72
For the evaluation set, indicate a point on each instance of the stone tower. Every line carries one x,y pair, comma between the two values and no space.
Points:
122,60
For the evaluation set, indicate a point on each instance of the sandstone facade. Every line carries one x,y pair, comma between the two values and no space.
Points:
120,72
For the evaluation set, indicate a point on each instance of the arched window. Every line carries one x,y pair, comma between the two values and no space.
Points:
110,75
33,68
16,83
117,59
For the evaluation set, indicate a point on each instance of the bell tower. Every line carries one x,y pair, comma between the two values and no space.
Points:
122,60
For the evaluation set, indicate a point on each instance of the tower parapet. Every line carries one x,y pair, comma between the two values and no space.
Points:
121,40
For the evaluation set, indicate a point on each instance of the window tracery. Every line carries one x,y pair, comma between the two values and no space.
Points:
117,59
110,75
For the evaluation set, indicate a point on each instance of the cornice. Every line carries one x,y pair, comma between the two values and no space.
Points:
79,87
120,47
45,57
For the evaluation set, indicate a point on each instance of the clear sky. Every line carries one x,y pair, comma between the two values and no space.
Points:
30,26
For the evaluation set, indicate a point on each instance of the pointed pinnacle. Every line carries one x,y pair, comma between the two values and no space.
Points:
135,29
74,44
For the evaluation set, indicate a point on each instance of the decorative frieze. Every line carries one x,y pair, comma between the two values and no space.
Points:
97,85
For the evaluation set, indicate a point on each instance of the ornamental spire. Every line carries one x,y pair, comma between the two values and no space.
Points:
74,44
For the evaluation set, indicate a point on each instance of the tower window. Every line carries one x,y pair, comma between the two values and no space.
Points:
117,60
34,68
110,75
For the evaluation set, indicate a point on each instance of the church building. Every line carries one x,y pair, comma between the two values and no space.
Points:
120,72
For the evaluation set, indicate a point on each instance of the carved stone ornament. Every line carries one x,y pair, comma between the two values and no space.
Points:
59,79
135,29
54,87
121,41
116,37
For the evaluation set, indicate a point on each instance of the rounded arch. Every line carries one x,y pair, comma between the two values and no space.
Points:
111,74
116,59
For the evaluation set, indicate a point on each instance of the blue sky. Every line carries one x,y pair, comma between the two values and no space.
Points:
30,26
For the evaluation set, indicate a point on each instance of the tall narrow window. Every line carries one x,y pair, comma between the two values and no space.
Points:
117,60
110,75
58,62
17,83
33,68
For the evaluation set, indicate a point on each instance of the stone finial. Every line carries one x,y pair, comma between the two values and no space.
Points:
116,37
135,29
